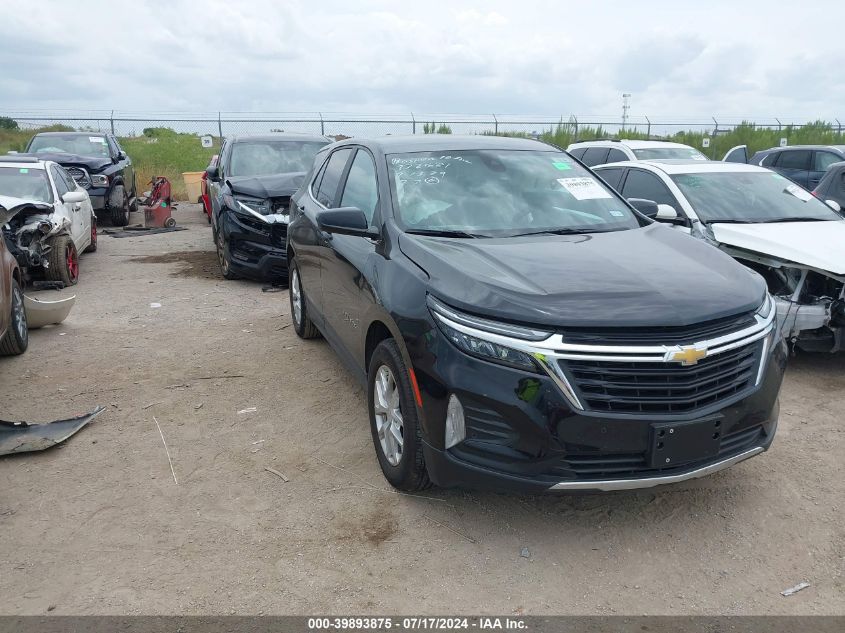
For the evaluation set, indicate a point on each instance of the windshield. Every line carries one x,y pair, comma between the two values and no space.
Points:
502,193
264,158
26,183
80,145
669,153
750,197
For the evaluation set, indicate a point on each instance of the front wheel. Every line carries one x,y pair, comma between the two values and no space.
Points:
119,206
223,255
16,339
394,421
302,324
63,261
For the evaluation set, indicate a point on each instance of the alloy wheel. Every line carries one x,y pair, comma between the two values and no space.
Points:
72,262
19,314
296,296
221,253
388,413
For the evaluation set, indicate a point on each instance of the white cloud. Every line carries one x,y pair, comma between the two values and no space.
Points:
544,57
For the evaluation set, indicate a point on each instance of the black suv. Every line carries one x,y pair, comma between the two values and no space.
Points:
96,162
802,164
250,188
518,325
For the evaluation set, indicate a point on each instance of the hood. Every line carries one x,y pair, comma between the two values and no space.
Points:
10,207
272,186
819,245
90,163
653,276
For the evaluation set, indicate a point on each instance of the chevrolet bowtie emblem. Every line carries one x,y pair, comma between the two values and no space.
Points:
685,355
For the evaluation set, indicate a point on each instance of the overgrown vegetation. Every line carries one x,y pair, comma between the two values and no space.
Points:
434,128
161,151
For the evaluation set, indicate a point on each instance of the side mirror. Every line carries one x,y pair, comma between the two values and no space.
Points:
213,173
833,204
121,156
74,197
647,207
345,221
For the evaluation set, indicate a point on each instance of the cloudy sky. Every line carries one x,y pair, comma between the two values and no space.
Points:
678,59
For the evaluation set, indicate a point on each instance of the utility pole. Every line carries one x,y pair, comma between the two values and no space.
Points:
626,105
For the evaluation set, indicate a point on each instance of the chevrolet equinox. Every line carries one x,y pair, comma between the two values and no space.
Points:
519,326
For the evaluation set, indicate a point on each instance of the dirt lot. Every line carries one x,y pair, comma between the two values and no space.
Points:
98,526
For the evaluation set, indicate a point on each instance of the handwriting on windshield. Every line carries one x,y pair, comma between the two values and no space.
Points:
428,170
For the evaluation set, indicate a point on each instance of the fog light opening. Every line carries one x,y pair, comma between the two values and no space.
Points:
455,428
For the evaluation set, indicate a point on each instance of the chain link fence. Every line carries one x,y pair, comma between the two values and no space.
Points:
222,124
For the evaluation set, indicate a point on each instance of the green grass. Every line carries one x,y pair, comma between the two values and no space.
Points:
163,152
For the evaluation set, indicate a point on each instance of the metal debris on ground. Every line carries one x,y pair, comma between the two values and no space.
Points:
792,590
525,553
277,473
23,437
247,410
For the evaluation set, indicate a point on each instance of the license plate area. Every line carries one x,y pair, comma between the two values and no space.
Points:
675,444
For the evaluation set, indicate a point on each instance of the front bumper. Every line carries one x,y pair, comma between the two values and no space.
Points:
256,250
523,435
99,196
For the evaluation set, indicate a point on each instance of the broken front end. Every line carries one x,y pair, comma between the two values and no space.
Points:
810,303
30,231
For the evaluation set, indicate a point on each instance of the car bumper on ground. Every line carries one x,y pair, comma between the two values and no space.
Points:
257,250
523,435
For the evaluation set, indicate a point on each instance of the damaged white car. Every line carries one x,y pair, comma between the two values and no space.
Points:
54,222
773,226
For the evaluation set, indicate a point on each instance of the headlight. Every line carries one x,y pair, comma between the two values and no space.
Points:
98,180
261,207
477,345
765,309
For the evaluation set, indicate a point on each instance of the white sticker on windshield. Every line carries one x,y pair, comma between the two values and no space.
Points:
617,214
584,188
96,139
799,193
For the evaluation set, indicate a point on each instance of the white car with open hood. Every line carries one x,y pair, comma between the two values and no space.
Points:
795,241
53,220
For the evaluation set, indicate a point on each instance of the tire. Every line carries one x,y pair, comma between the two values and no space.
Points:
169,223
63,261
119,206
16,339
92,247
302,323
223,255
408,472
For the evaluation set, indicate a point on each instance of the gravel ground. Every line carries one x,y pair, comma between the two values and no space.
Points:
98,526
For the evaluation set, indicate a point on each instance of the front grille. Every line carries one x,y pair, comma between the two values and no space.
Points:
675,335
636,464
80,176
655,387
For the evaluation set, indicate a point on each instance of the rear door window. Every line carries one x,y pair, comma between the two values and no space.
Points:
795,159
616,156
579,152
612,176
595,156
327,192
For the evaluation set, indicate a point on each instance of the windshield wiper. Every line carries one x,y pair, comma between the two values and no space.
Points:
443,233
794,218
558,232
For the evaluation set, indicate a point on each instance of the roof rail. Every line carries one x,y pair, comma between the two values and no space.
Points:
593,140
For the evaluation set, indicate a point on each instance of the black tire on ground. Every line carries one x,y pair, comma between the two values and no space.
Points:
63,260
92,247
119,206
410,473
170,223
302,323
16,339
223,255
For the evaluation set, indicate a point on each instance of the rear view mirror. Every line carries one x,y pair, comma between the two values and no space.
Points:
833,204
647,207
345,221
74,197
